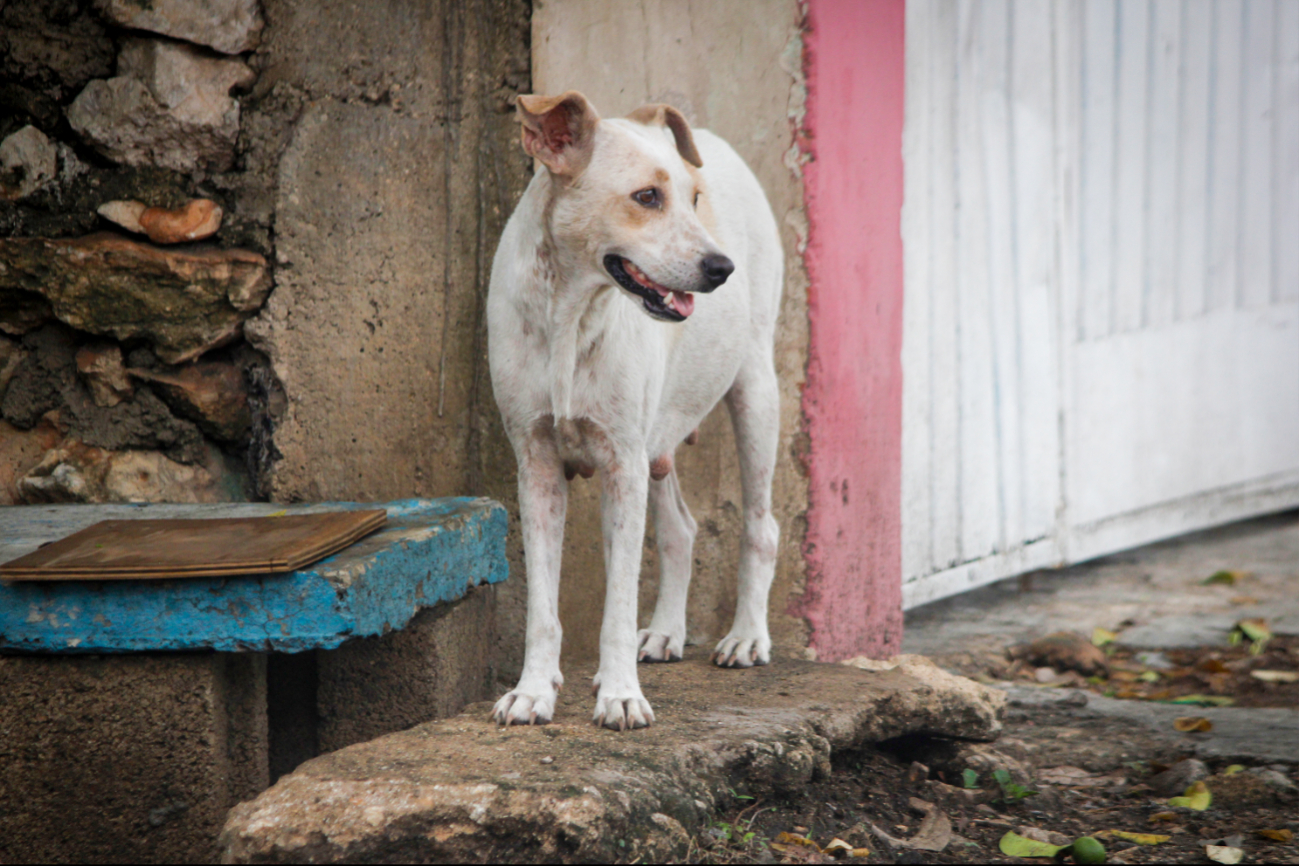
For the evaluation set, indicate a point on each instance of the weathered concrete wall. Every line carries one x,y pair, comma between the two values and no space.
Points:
127,759
733,67
386,141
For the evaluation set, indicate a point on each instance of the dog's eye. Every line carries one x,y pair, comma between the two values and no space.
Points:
696,202
649,196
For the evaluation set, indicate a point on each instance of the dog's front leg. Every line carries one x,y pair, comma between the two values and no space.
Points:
543,500
619,703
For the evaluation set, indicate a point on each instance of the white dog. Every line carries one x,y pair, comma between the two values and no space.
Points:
636,285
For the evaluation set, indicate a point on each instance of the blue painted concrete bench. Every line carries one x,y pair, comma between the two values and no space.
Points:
136,713
431,551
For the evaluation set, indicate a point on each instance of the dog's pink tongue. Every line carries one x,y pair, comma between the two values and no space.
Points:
684,302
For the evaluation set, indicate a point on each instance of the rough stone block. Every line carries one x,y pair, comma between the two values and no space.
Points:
183,302
464,790
169,106
125,760
229,26
27,162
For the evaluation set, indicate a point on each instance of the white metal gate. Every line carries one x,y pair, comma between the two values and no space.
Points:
1101,337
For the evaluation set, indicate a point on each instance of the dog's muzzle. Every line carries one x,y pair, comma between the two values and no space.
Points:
659,301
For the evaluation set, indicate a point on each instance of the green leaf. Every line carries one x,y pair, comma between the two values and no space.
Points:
1254,629
1226,577
970,778
1149,676
1015,845
1102,636
1196,797
1203,700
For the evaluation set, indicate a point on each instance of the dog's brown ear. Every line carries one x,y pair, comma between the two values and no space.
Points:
660,114
559,131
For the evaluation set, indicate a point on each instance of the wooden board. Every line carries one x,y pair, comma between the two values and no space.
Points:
159,549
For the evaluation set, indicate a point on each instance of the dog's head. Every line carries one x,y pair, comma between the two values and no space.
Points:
628,199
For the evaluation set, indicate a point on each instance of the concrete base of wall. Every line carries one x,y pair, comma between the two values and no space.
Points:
120,759
138,758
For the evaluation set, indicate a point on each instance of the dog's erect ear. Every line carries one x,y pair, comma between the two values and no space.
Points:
665,115
559,131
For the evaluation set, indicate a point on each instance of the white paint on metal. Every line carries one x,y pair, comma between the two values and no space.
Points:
1102,278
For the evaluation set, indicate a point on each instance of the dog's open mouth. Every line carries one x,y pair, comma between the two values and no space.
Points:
659,302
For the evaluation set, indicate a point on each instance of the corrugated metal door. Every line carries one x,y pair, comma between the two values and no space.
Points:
1102,278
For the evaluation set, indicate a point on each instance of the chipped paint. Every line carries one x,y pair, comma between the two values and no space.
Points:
431,551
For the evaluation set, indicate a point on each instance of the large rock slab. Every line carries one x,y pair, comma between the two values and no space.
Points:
464,790
229,26
183,302
169,106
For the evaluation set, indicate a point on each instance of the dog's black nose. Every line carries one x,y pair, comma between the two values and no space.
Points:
716,269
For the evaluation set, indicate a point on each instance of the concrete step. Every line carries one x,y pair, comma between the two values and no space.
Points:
465,790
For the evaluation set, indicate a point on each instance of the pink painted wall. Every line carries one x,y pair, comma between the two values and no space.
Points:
852,402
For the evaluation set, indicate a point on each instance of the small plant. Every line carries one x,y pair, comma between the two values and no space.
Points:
733,835
1011,791
970,778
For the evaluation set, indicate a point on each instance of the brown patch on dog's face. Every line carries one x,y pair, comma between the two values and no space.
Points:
632,217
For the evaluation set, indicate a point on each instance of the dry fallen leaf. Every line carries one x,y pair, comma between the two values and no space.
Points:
784,838
1140,838
1276,676
1276,835
1224,854
1187,724
838,849
1163,816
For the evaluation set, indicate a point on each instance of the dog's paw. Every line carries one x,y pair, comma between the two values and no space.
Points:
530,703
619,713
620,708
658,647
740,651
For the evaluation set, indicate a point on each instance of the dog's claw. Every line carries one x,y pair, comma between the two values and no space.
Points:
742,652
623,714
658,647
532,702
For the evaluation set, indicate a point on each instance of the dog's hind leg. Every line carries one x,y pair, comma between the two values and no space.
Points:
665,638
543,501
754,401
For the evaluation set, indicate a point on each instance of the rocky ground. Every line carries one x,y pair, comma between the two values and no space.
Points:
1095,732
1089,774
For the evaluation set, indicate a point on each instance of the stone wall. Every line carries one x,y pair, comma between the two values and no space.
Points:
244,251
128,261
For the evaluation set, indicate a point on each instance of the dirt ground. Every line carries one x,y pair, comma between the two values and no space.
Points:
1165,615
1089,777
